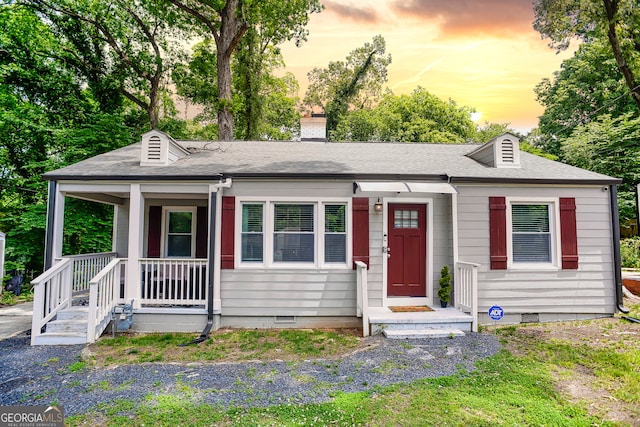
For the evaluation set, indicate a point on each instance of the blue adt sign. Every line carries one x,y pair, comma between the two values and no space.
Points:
496,312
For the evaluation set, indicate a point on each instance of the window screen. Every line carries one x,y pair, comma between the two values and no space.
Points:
293,237
252,233
335,234
531,235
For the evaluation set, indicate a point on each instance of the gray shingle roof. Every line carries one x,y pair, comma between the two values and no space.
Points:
357,160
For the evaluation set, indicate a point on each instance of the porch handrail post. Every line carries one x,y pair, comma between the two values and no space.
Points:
474,297
38,309
466,290
93,308
363,298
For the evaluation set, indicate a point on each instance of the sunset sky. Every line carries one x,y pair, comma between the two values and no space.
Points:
480,53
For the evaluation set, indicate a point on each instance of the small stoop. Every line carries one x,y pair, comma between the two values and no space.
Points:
69,328
440,323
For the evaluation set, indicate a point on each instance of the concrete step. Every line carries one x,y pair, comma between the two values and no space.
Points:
61,338
73,313
68,325
422,333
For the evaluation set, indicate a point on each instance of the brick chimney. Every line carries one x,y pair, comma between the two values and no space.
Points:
313,128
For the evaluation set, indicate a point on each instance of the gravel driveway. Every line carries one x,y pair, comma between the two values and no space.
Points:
40,375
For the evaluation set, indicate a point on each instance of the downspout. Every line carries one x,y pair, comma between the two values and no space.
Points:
211,261
617,260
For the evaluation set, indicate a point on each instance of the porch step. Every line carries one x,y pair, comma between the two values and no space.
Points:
68,325
61,338
422,333
73,313
437,323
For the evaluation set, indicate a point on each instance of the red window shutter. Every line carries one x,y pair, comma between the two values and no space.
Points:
154,232
498,233
360,218
568,233
202,232
228,224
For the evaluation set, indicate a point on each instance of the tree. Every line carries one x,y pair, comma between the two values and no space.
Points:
617,20
587,85
356,82
418,117
228,20
140,38
609,145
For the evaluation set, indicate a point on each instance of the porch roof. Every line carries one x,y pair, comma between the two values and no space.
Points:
409,161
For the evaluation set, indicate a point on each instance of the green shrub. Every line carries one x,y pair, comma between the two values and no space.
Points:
630,252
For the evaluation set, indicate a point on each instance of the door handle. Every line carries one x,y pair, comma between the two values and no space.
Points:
386,250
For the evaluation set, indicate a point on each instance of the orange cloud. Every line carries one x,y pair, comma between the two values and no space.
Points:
500,18
352,13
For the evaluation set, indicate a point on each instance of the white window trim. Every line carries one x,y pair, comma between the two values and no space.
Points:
164,247
267,234
554,228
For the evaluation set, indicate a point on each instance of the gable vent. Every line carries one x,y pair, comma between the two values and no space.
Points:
507,151
154,149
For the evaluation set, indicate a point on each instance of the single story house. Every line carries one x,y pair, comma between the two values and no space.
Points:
263,234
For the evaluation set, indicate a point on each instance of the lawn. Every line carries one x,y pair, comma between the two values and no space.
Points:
562,374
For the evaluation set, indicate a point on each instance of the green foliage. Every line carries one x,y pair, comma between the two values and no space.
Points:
630,252
418,117
354,83
444,292
609,146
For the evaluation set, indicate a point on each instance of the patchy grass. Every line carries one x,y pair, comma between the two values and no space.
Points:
225,345
569,374
8,298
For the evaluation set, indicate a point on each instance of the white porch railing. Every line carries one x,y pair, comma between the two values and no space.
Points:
362,296
466,290
51,293
86,266
104,293
171,281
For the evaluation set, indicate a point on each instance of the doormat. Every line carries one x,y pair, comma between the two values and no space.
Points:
409,308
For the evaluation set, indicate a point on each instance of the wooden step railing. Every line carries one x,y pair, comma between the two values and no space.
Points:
466,290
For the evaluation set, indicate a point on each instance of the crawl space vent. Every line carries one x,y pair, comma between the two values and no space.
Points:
285,319
530,318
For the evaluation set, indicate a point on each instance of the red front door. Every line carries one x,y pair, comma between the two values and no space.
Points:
406,275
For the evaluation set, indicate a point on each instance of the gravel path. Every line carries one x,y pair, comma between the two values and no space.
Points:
40,375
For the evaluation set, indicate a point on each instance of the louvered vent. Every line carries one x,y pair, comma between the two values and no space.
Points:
507,151
154,149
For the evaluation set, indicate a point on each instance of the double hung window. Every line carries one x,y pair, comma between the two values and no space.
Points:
180,239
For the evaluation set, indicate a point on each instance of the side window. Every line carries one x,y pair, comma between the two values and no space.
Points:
252,238
335,234
531,233
179,233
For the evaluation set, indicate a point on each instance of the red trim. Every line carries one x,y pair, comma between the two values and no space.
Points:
568,233
498,233
360,219
154,233
228,226
202,232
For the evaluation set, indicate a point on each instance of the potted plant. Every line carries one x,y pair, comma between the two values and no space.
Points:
445,286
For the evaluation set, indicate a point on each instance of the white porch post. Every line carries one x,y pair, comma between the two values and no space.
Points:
454,226
216,191
135,248
58,224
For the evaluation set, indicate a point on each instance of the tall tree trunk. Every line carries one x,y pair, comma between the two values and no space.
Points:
611,7
232,29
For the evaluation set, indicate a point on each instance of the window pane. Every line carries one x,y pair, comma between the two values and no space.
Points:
179,245
335,248
293,247
294,218
530,218
252,218
531,247
252,247
334,218
180,222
